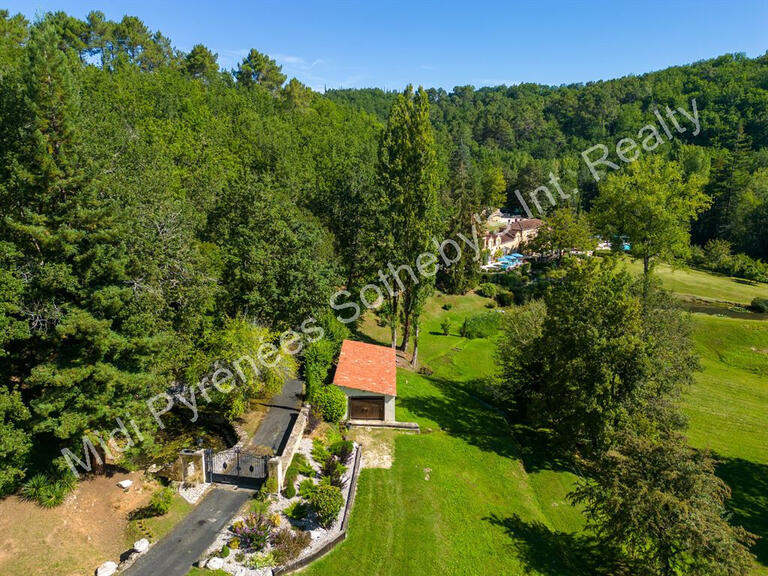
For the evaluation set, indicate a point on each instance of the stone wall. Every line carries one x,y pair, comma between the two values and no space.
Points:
277,466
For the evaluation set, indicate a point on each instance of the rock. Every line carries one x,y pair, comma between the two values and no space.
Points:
106,569
125,484
215,563
141,545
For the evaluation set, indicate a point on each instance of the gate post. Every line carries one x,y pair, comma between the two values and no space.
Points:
208,465
274,475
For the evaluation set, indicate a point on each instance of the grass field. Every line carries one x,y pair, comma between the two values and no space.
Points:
697,284
460,498
727,410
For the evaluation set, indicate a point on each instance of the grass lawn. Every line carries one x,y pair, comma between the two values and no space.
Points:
156,528
458,499
727,410
697,284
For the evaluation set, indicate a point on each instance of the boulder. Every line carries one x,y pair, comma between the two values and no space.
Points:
106,569
141,545
125,484
215,563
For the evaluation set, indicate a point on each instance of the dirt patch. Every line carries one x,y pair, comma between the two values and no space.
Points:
75,538
378,446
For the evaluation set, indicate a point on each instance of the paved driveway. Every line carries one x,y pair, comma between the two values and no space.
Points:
274,429
175,554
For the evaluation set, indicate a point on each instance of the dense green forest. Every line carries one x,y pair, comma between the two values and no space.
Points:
159,213
530,130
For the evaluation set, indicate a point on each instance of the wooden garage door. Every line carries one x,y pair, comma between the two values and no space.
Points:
366,408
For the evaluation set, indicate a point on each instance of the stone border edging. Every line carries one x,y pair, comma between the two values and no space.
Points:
407,426
317,554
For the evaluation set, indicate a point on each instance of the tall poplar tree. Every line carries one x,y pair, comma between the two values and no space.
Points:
407,174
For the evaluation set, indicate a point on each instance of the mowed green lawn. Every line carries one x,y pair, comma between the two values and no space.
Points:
697,284
457,499
728,411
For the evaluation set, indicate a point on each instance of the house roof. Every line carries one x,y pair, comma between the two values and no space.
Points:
513,229
367,367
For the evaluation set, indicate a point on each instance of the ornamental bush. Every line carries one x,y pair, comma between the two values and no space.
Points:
288,544
327,501
343,450
487,290
331,402
253,532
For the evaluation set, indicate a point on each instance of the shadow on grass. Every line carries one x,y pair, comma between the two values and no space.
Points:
462,413
749,502
545,551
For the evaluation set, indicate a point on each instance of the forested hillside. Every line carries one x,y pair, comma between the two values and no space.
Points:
153,206
530,130
158,213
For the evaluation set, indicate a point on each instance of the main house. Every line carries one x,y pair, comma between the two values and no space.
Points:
515,234
367,375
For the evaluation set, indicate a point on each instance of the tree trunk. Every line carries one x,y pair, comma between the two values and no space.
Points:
415,359
393,320
406,330
646,277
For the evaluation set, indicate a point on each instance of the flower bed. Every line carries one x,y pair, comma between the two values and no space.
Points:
304,519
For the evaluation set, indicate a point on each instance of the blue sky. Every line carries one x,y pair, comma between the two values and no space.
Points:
446,44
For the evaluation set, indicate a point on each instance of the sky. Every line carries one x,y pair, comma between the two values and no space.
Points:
445,44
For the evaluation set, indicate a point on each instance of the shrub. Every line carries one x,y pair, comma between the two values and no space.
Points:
161,501
240,557
303,465
287,544
260,561
331,402
333,471
425,370
224,552
327,502
307,488
257,506
253,532
760,304
48,491
445,325
505,299
447,306
318,359
342,450
289,489
487,290
234,544
482,325
319,451
491,304
297,511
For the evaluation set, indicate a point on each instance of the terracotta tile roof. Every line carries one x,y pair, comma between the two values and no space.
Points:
366,367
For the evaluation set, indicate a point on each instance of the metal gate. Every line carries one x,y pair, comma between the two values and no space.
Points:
234,466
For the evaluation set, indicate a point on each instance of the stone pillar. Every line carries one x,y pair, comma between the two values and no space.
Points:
274,474
192,466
